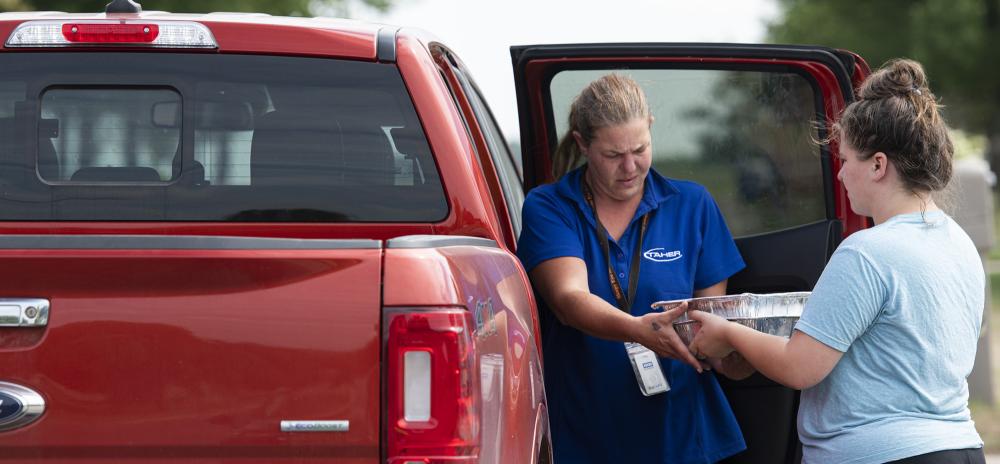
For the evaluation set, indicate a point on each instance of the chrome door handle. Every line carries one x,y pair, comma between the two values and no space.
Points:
24,312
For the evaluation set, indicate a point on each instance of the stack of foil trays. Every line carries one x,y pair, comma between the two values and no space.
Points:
771,313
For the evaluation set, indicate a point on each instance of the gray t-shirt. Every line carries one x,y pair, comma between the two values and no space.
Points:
904,302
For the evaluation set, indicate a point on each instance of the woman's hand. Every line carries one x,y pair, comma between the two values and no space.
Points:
711,340
656,331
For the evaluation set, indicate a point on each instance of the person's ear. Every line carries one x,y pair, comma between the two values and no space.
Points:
880,165
579,142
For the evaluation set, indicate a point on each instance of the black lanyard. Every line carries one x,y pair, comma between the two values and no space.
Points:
624,303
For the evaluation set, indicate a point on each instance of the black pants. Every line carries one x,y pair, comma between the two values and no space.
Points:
962,456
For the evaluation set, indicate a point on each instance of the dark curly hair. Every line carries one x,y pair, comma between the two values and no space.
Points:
897,114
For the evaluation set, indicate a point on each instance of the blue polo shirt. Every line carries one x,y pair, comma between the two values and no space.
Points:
596,412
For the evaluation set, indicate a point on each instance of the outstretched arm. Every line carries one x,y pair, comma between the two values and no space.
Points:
799,362
562,283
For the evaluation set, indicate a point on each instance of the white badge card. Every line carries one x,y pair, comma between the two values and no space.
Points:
648,372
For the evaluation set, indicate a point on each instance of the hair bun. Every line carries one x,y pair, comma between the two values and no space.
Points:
909,130
897,78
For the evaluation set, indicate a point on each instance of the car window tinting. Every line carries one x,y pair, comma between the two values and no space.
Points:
189,137
748,136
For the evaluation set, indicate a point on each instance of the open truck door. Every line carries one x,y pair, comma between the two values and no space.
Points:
744,121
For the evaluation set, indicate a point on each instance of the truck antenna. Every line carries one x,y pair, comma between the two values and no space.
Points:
123,6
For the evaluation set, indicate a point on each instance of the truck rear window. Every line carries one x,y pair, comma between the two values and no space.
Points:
200,137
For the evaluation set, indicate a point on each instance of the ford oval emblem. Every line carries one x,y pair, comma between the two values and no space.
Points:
19,406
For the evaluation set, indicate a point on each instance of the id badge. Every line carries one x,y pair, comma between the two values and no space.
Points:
648,372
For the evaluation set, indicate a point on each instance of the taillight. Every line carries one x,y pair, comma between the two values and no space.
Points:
132,32
432,386
110,33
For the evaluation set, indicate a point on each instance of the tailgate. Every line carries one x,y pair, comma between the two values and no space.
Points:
195,347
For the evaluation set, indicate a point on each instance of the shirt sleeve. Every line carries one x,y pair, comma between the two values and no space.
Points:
548,231
847,299
719,258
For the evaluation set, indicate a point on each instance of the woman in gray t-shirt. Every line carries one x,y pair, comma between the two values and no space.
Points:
889,334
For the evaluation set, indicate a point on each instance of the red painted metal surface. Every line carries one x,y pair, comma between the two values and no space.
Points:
471,212
442,57
197,354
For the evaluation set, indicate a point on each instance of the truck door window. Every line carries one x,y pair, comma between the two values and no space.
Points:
748,135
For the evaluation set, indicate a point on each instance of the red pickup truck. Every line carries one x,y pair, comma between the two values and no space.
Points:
233,238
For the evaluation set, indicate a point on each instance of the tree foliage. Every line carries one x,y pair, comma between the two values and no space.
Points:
275,7
956,40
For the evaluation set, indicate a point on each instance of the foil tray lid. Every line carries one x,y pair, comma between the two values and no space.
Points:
744,306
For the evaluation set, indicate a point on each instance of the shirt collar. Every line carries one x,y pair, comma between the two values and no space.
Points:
656,190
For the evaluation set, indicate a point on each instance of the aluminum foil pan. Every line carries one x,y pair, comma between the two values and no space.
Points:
771,313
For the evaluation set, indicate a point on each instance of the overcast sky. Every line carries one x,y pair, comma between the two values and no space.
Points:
481,32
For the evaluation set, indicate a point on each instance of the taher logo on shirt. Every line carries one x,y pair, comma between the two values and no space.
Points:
660,255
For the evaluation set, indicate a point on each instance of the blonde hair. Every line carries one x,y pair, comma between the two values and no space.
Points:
611,100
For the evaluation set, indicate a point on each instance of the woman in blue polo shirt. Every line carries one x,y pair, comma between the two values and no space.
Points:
602,244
